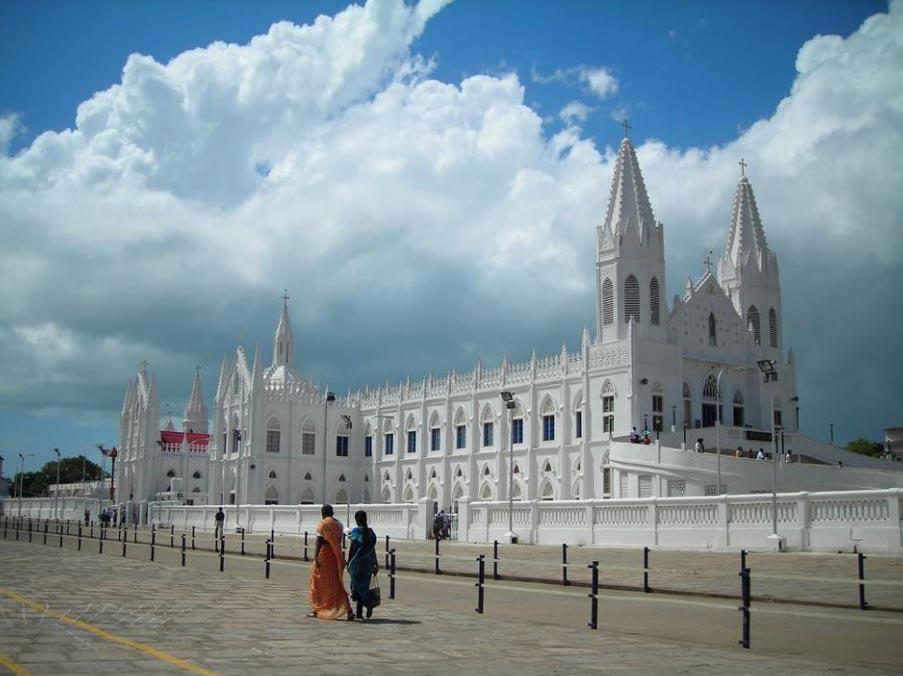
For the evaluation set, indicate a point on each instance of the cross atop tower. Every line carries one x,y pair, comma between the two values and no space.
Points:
285,296
743,166
707,262
626,125
144,365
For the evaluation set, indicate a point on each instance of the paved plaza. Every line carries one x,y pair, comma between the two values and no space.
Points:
68,611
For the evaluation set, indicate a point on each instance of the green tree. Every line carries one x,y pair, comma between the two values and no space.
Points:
866,447
36,484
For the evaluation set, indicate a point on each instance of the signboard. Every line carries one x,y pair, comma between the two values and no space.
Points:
755,435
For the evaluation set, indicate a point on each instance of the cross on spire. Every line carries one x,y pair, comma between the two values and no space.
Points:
144,365
285,296
743,166
626,125
707,262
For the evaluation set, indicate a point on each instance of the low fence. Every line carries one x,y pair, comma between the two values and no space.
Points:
406,521
842,520
55,508
829,521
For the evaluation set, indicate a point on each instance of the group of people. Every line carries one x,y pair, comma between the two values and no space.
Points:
329,600
761,454
441,525
637,438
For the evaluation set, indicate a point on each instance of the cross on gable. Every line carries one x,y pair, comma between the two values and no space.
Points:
285,296
707,262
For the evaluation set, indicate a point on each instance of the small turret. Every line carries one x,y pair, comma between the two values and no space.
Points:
194,418
283,340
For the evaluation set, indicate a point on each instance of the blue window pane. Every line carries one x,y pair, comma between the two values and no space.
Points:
368,446
517,431
412,441
390,444
434,439
341,446
461,436
548,427
579,424
487,434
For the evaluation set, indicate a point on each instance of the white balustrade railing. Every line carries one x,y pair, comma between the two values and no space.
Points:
807,521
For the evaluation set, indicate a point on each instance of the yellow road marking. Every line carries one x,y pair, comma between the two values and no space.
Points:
103,633
13,667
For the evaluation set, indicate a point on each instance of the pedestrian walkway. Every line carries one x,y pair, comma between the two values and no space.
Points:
66,611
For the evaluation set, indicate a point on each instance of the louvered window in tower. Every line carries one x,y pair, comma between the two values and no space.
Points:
752,319
631,299
713,330
773,327
608,302
654,301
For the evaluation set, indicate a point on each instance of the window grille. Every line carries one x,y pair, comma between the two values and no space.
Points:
608,302
622,485
631,299
308,443
773,327
654,301
341,446
645,486
677,488
752,319
272,441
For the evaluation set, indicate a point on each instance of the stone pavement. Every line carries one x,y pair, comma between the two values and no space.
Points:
143,617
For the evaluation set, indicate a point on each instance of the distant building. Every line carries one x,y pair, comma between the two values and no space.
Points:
893,442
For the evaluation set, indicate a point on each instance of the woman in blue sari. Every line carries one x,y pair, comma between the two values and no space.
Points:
362,562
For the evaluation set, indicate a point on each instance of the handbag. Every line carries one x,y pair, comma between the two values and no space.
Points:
375,596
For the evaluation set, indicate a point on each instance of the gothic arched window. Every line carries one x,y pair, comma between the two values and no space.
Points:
273,436
713,330
631,299
752,319
773,327
608,302
654,301
738,409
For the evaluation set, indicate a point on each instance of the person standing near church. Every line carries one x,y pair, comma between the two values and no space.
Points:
220,520
362,563
328,598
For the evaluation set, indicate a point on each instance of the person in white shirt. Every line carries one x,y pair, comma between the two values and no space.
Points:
761,455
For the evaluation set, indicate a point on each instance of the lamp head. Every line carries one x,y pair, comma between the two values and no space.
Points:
644,381
330,396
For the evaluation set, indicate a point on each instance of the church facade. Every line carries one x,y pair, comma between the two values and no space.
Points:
276,438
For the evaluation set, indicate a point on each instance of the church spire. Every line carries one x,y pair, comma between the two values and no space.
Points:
746,239
628,204
283,341
194,418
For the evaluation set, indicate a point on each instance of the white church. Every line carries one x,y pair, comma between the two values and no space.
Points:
688,370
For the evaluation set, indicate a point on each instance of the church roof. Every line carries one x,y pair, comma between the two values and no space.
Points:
193,438
628,204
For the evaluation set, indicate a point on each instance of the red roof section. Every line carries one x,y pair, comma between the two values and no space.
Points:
176,438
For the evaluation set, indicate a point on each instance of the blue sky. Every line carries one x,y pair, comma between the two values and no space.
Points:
92,298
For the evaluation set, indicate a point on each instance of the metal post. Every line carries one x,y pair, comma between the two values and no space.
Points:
862,603
67,526
438,572
124,542
774,472
192,538
222,552
267,558
45,533
495,559
100,541
391,573
79,536
29,529
273,542
564,565
481,582
387,551
153,541
242,541
305,548
594,596
92,529
61,535
172,536
183,550
646,587
745,598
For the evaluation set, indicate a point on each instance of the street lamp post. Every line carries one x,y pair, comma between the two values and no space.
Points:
508,398
19,477
347,419
330,397
796,402
771,376
56,493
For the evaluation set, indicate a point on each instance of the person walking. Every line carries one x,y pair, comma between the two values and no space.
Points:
362,563
220,521
328,598
700,448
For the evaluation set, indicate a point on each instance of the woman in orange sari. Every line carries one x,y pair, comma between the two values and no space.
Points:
328,598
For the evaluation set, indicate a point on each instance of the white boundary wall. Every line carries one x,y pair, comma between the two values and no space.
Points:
72,508
827,521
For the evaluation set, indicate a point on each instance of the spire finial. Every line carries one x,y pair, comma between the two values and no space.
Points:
707,262
743,166
285,298
626,124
